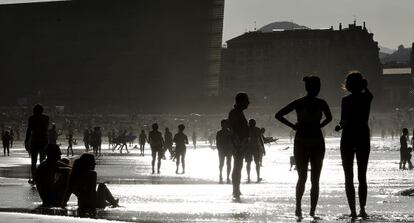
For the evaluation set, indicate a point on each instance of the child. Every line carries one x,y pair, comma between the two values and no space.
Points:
180,140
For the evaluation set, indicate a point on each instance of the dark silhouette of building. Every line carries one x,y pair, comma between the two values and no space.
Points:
270,65
111,54
398,84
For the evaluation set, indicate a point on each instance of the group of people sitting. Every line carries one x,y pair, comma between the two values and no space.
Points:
56,181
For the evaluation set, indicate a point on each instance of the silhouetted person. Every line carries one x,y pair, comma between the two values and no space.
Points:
180,140
124,141
240,132
355,139
53,134
142,140
403,148
309,143
168,138
412,139
96,141
36,137
408,157
52,178
70,143
11,137
83,183
254,150
225,149
87,138
157,143
194,138
6,138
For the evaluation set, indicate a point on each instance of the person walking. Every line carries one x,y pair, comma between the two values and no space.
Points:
239,133
180,140
157,143
225,149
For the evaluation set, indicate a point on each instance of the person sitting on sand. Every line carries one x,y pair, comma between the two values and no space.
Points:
52,177
83,181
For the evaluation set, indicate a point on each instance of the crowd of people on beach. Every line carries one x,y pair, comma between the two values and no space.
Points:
239,140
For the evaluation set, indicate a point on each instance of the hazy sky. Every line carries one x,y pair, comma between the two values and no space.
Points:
390,20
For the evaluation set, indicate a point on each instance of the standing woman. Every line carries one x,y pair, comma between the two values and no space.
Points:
309,143
355,139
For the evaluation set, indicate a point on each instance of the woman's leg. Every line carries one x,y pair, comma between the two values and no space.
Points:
183,161
160,154
248,168
154,155
316,161
228,160
362,156
302,168
177,162
104,196
347,156
221,164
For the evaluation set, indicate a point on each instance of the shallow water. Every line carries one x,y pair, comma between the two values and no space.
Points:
197,196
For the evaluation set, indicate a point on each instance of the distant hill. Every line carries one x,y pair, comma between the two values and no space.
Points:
402,55
386,50
283,25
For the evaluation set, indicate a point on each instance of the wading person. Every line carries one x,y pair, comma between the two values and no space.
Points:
87,138
53,134
83,183
96,141
255,148
403,148
240,132
70,143
309,143
225,149
157,143
180,140
355,139
36,138
6,138
168,142
142,140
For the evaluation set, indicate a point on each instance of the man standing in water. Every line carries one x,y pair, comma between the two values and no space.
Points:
240,132
36,137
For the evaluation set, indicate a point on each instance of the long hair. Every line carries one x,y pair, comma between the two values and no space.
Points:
81,165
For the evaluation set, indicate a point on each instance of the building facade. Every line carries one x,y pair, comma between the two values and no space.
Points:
146,55
270,65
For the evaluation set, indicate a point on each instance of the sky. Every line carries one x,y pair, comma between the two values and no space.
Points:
391,21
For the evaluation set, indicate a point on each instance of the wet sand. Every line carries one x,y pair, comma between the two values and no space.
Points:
197,196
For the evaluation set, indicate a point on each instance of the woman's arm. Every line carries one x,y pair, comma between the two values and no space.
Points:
284,111
328,115
341,122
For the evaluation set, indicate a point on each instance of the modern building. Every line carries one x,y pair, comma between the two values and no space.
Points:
270,65
141,55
